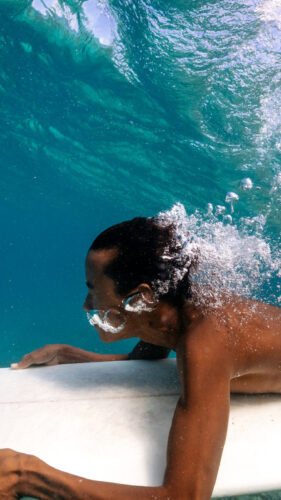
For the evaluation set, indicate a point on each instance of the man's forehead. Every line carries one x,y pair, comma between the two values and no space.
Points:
100,258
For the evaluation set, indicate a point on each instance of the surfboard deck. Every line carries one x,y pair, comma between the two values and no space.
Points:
110,421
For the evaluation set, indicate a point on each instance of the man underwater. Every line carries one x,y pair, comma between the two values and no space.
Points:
139,285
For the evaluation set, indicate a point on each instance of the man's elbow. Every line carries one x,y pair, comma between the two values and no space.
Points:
181,490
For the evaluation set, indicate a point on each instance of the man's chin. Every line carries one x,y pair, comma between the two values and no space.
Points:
106,337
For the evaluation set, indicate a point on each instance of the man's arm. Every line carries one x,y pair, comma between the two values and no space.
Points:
142,350
58,354
199,428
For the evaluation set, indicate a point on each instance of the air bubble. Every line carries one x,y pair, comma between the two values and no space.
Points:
231,198
227,219
220,209
246,184
210,208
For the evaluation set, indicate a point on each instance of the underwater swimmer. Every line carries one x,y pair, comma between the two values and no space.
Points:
139,286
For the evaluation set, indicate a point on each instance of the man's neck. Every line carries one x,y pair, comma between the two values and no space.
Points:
165,325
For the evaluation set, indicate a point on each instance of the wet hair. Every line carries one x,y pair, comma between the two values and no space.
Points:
148,252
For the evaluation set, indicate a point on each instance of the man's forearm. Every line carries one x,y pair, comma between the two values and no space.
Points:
70,354
42,481
142,350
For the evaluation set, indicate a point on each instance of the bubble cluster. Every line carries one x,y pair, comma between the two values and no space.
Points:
106,321
276,185
229,258
137,304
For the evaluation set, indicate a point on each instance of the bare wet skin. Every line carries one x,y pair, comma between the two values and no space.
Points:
253,332
256,346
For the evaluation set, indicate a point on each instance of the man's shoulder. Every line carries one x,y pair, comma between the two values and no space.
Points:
207,337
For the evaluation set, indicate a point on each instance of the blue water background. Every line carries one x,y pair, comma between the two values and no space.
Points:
113,111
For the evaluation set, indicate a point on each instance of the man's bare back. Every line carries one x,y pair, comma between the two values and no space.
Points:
255,337
250,332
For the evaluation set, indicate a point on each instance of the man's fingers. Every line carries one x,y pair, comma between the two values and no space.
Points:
47,355
53,361
20,365
26,361
37,358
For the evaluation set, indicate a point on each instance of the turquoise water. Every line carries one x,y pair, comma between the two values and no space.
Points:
115,109
112,111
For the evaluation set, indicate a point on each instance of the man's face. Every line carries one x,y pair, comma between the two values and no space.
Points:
101,290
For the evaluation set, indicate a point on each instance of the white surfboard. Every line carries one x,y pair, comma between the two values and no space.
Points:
110,421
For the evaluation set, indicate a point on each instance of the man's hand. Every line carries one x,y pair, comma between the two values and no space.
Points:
11,469
51,354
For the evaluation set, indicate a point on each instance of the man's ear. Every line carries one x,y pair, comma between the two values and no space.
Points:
141,299
147,293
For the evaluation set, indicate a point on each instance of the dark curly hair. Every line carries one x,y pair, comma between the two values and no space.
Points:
148,252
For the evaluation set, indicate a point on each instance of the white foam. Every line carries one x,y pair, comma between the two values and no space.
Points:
60,10
270,10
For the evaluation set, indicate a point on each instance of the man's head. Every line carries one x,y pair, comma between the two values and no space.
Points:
134,257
